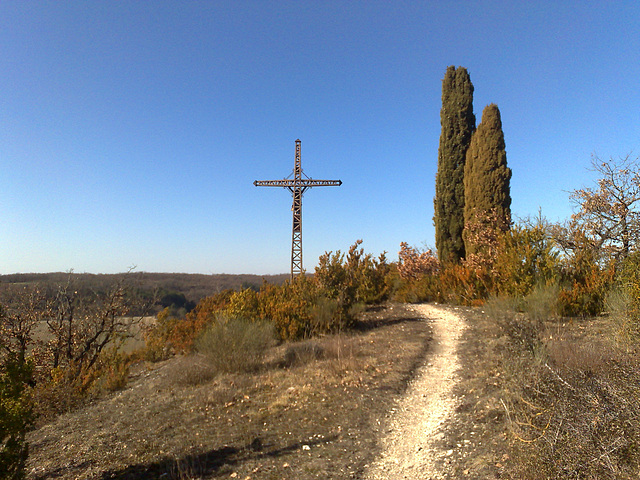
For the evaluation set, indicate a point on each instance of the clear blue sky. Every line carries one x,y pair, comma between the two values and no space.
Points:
131,132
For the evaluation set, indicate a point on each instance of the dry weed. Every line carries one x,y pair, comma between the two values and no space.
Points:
571,405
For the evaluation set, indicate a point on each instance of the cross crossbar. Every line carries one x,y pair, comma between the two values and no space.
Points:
286,183
297,186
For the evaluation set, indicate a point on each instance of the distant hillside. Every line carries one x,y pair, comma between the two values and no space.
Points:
193,286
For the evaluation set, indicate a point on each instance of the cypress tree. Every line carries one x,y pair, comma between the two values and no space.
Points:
487,177
458,124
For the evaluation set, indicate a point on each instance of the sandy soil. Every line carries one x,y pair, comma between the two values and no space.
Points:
412,440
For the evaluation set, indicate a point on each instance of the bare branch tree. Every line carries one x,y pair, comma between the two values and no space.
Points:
83,324
20,311
608,214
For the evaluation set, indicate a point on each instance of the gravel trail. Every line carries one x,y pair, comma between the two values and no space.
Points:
412,442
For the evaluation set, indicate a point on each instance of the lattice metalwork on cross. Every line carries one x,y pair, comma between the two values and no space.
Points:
297,186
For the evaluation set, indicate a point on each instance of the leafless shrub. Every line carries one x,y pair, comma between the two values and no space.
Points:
191,370
571,407
342,353
626,328
499,307
303,353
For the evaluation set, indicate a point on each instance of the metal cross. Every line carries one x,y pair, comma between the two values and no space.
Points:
297,186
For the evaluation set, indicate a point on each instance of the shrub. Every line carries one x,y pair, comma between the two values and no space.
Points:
322,315
171,334
626,328
356,278
244,304
16,415
234,344
415,278
587,293
461,285
422,289
541,303
526,258
575,415
113,370
623,302
288,307
499,307
413,265
303,353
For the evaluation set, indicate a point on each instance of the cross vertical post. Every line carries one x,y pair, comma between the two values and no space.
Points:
296,208
297,186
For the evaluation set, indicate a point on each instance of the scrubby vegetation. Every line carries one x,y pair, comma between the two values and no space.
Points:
300,308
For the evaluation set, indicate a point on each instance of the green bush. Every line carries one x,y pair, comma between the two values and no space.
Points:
526,259
235,345
16,415
354,278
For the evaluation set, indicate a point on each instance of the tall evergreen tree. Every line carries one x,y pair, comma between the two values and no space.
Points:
458,124
486,178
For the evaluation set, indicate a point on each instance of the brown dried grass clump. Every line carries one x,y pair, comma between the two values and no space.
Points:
571,401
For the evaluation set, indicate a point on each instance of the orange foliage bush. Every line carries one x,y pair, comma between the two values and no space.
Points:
413,264
587,293
299,308
461,285
171,335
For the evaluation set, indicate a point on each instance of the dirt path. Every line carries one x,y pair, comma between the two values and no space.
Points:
412,438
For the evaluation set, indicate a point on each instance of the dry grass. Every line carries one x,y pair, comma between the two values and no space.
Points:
571,402
316,415
554,399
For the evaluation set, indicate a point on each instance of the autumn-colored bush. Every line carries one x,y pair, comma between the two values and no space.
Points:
71,337
422,289
244,304
586,293
461,285
288,307
413,264
351,279
356,277
172,334
483,234
300,308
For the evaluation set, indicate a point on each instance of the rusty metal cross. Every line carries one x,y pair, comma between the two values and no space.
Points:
297,186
